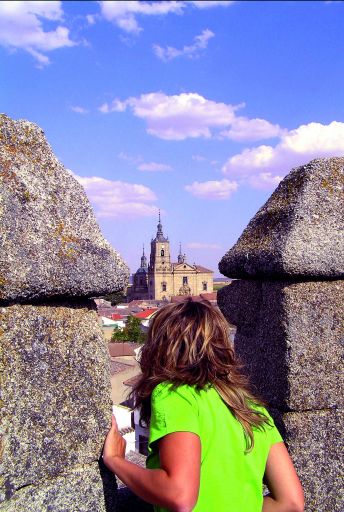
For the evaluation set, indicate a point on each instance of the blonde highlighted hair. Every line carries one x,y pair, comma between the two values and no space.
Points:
188,343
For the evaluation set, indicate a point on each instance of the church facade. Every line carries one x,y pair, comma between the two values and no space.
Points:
162,279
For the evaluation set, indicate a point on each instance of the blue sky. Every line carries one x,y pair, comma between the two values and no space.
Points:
197,108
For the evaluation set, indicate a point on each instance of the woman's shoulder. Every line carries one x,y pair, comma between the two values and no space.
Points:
161,388
268,428
169,389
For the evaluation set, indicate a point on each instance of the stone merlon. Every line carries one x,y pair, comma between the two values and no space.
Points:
299,230
51,245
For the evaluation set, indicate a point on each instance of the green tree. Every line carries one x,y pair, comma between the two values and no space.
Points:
131,332
116,297
118,335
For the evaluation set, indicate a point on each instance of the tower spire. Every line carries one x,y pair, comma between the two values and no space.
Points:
159,234
143,258
181,256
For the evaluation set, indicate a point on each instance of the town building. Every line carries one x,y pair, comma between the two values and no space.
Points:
139,289
162,279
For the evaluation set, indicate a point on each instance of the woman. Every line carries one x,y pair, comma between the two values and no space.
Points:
211,441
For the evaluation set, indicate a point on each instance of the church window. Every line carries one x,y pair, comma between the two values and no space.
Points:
162,253
184,266
205,286
185,280
164,287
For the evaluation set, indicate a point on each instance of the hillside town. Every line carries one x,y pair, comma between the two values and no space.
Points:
125,324
171,256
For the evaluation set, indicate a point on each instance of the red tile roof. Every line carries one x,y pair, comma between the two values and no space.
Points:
145,314
116,316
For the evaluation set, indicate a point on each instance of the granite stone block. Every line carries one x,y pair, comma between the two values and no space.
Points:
50,241
299,230
55,391
316,444
290,337
78,490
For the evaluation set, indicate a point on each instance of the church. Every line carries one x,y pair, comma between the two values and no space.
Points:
162,279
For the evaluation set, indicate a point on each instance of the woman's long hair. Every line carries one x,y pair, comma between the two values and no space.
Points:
188,343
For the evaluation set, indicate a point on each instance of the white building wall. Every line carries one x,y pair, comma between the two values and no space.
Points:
123,417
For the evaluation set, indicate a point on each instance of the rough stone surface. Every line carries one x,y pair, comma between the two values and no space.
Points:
79,490
290,336
315,441
50,242
299,230
289,318
55,393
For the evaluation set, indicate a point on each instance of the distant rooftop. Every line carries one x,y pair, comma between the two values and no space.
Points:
147,313
132,381
211,296
116,316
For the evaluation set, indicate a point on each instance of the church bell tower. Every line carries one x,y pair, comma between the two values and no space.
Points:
159,265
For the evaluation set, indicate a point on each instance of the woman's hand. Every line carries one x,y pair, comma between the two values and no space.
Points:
114,445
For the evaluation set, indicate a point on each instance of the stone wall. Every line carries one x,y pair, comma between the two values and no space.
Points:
287,305
55,387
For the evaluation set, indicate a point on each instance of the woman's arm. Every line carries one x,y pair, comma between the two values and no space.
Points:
175,486
283,482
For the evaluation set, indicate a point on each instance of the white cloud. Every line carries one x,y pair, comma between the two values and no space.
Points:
142,165
115,106
207,4
133,159
252,129
264,165
21,26
201,158
190,115
264,180
199,245
41,59
117,198
176,117
91,18
191,51
154,167
79,110
212,189
124,13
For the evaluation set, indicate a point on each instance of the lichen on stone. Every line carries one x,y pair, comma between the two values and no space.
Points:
298,231
44,208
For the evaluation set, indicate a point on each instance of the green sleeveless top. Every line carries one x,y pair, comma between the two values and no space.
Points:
231,480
